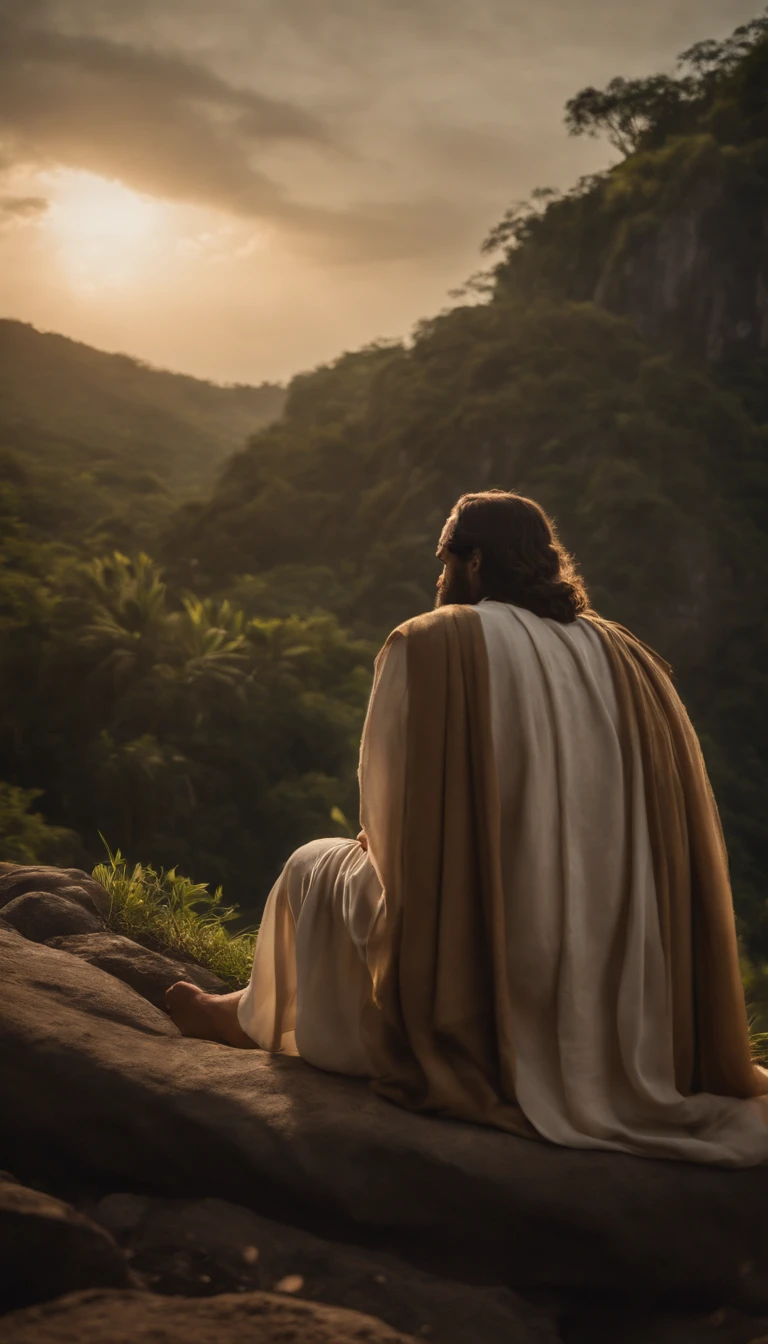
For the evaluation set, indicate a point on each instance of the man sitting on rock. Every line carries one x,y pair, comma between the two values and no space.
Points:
534,929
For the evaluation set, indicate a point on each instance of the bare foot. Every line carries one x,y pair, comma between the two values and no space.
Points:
207,1017
187,1005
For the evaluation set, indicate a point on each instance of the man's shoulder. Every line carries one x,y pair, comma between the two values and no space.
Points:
431,622
433,633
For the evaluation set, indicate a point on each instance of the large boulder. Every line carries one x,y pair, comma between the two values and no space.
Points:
47,1248
100,1077
209,1246
149,973
76,885
607,1325
40,915
105,1317
125,1317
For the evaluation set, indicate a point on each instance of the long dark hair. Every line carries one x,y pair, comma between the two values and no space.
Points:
523,561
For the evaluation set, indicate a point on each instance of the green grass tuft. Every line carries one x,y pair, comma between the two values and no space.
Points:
174,914
754,976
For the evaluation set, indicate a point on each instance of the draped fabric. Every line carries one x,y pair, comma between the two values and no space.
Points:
439,1032
541,935
690,865
310,984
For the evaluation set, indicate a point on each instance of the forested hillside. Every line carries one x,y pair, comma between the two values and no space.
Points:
107,446
611,362
673,237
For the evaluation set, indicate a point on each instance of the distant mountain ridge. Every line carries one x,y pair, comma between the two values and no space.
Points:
83,432
186,426
618,373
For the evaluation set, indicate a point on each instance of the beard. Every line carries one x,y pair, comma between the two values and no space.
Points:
456,591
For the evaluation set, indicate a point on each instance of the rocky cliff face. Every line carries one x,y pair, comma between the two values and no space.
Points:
695,277
675,236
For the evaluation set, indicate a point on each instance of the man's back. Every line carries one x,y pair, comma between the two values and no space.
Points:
566,1024
593,1041
536,931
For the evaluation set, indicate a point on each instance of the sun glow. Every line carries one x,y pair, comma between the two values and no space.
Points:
105,234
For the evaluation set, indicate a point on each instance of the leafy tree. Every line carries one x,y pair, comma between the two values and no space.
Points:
635,112
626,109
25,836
710,60
191,681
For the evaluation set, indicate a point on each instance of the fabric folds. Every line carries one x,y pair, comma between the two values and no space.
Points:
439,1032
540,936
693,891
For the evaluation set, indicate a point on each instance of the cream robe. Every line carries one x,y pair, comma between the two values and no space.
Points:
594,1061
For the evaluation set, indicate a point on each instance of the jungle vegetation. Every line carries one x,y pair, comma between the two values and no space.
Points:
185,661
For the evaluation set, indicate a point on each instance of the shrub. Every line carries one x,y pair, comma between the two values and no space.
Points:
25,835
171,913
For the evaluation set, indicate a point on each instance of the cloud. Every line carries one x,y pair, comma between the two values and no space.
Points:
21,208
171,127
381,231
169,78
162,123
359,130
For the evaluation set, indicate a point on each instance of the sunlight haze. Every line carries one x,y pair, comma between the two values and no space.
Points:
246,190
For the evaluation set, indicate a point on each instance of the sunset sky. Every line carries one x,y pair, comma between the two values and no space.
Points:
244,188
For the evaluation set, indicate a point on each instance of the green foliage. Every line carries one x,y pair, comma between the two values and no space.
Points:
207,713
670,236
193,732
755,978
655,473
637,113
25,836
626,109
170,913
103,452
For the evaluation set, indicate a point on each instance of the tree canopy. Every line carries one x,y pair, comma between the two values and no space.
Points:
187,674
636,113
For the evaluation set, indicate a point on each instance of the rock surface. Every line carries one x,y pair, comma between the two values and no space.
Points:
47,1248
40,915
209,1246
126,1317
715,1327
92,1069
149,973
76,885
